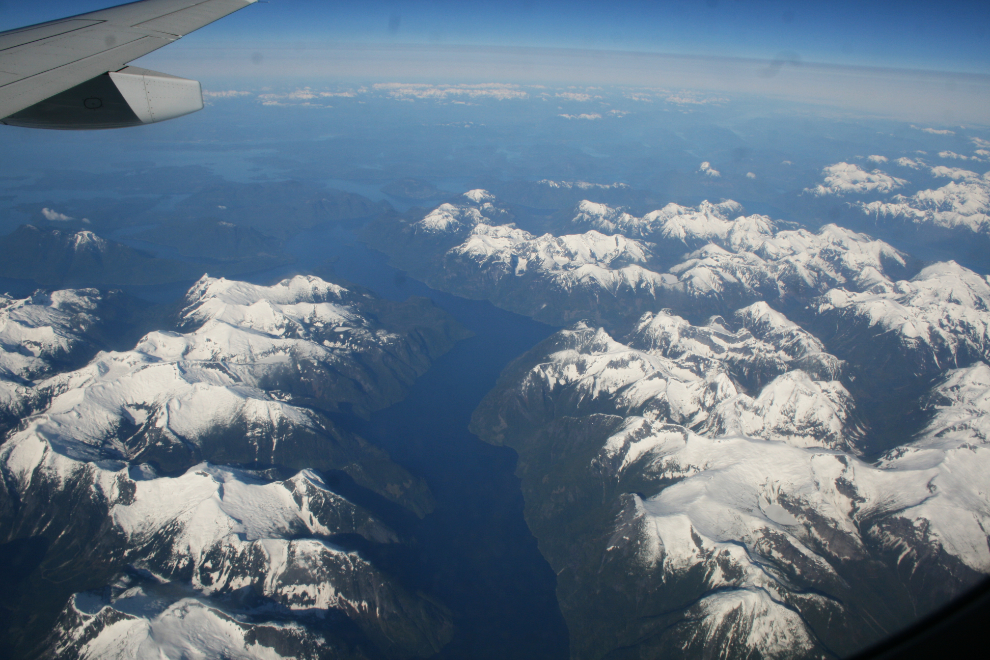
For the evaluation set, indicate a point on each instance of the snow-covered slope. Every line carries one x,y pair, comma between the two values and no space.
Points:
472,208
964,203
41,335
217,393
231,530
848,178
572,274
234,532
682,510
766,344
582,185
953,451
610,261
937,320
626,265
699,484
702,377
218,532
141,624
307,339
748,247
790,263
668,369
673,222
42,329
124,466
549,253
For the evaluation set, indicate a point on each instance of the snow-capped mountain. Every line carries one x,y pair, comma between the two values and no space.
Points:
688,225
43,334
62,258
566,265
681,510
953,451
227,531
849,178
934,205
592,250
43,329
142,621
717,483
582,185
508,263
962,203
751,257
309,340
606,276
700,377
937,320
229,389
472,208
126,467
142,407
692,483
766,345
723,464
798,255
791,263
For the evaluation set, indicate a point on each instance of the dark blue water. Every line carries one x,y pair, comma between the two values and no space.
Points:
474,552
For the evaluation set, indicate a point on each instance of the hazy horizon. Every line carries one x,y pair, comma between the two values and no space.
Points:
910,95
920,61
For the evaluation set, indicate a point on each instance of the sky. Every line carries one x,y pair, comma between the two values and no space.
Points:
770,47
920,34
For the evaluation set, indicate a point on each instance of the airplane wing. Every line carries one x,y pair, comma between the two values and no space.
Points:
72,73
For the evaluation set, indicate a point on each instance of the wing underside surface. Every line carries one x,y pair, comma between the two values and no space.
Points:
41,61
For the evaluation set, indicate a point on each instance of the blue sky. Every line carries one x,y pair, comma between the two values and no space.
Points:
950,36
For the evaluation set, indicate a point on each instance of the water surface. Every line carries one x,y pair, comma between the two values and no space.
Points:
474,552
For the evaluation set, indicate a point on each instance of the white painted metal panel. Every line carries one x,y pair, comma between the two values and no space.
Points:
137,12
43,60
23,36
157,96
29,59
24,93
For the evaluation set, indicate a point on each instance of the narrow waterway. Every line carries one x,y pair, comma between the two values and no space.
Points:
474,552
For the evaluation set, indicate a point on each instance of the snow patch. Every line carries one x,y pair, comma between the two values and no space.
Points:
847,178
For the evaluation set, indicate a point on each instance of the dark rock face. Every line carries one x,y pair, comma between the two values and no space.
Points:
122,470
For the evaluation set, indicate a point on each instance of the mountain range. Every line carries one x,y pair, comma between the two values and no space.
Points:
747,436
182,490
744,435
